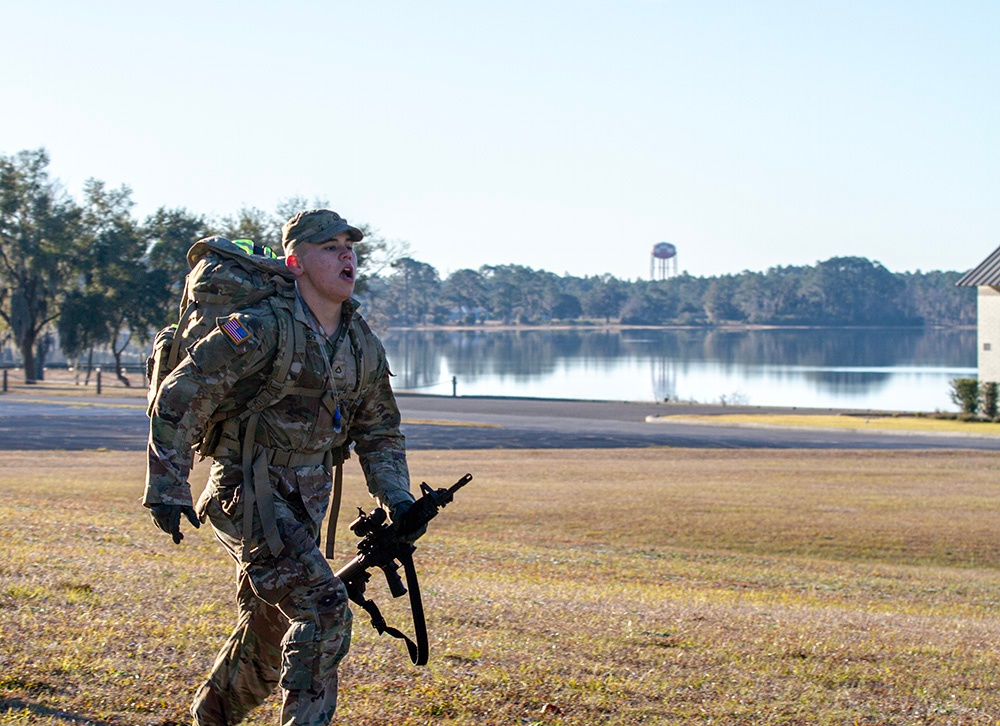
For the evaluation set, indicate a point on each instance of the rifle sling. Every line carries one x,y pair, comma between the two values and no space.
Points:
331,524
417,609
418,650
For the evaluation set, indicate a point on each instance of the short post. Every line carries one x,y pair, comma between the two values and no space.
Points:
454,386
98,380
5,380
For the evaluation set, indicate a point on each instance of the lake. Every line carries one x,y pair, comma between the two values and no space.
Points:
880,369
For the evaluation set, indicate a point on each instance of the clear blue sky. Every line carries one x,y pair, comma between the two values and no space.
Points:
566,136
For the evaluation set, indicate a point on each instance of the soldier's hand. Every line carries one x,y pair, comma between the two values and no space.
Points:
168,518
397,514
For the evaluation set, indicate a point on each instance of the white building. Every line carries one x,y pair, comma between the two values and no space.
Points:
985,277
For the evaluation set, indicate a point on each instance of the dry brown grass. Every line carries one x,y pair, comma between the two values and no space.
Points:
873,422
562,587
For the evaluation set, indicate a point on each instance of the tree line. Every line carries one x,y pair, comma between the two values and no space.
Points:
89,275
839,291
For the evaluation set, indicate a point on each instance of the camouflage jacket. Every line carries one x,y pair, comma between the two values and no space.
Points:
219,374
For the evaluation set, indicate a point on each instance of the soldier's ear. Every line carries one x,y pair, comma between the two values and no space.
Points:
292,263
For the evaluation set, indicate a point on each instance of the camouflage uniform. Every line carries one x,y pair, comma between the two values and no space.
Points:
294,624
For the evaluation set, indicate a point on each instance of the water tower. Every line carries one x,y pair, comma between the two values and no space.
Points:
663,261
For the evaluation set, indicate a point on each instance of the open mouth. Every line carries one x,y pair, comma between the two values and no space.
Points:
347,274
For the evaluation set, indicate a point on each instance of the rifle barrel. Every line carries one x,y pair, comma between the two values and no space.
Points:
460,483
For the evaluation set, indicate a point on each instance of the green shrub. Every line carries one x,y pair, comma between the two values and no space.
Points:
989,391
965,394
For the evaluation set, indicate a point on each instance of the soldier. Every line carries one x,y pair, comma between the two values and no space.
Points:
270,479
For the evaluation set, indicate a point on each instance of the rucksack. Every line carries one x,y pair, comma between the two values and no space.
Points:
226,277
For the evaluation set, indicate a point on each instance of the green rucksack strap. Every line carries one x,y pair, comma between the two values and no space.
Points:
366,351
290,360
257,493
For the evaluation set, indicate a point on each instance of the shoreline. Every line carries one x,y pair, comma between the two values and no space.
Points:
60,384
490,327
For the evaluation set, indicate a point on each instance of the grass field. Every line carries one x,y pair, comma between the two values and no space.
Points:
872,422
654,586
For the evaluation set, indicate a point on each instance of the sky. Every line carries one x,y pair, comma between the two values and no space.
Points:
564,136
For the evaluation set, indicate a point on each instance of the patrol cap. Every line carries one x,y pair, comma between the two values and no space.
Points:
315,226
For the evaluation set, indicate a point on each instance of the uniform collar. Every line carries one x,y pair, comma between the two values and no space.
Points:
305,316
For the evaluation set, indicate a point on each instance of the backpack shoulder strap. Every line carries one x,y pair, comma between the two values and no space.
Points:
367,348
288,363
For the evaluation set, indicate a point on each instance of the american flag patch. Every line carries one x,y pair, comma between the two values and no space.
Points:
235,331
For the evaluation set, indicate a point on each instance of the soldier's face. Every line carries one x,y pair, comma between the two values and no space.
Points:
328,268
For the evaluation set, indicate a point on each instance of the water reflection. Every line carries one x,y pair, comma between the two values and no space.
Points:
893,369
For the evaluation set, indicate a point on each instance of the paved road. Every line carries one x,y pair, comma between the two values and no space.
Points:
433,422
529,423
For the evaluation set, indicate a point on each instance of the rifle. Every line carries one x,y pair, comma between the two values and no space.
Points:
384,546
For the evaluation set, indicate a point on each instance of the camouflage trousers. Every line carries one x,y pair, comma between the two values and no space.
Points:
294,624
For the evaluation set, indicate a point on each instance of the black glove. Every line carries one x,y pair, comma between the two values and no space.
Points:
168,518
397,514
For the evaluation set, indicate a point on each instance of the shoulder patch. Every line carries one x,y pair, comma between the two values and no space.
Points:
235,331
